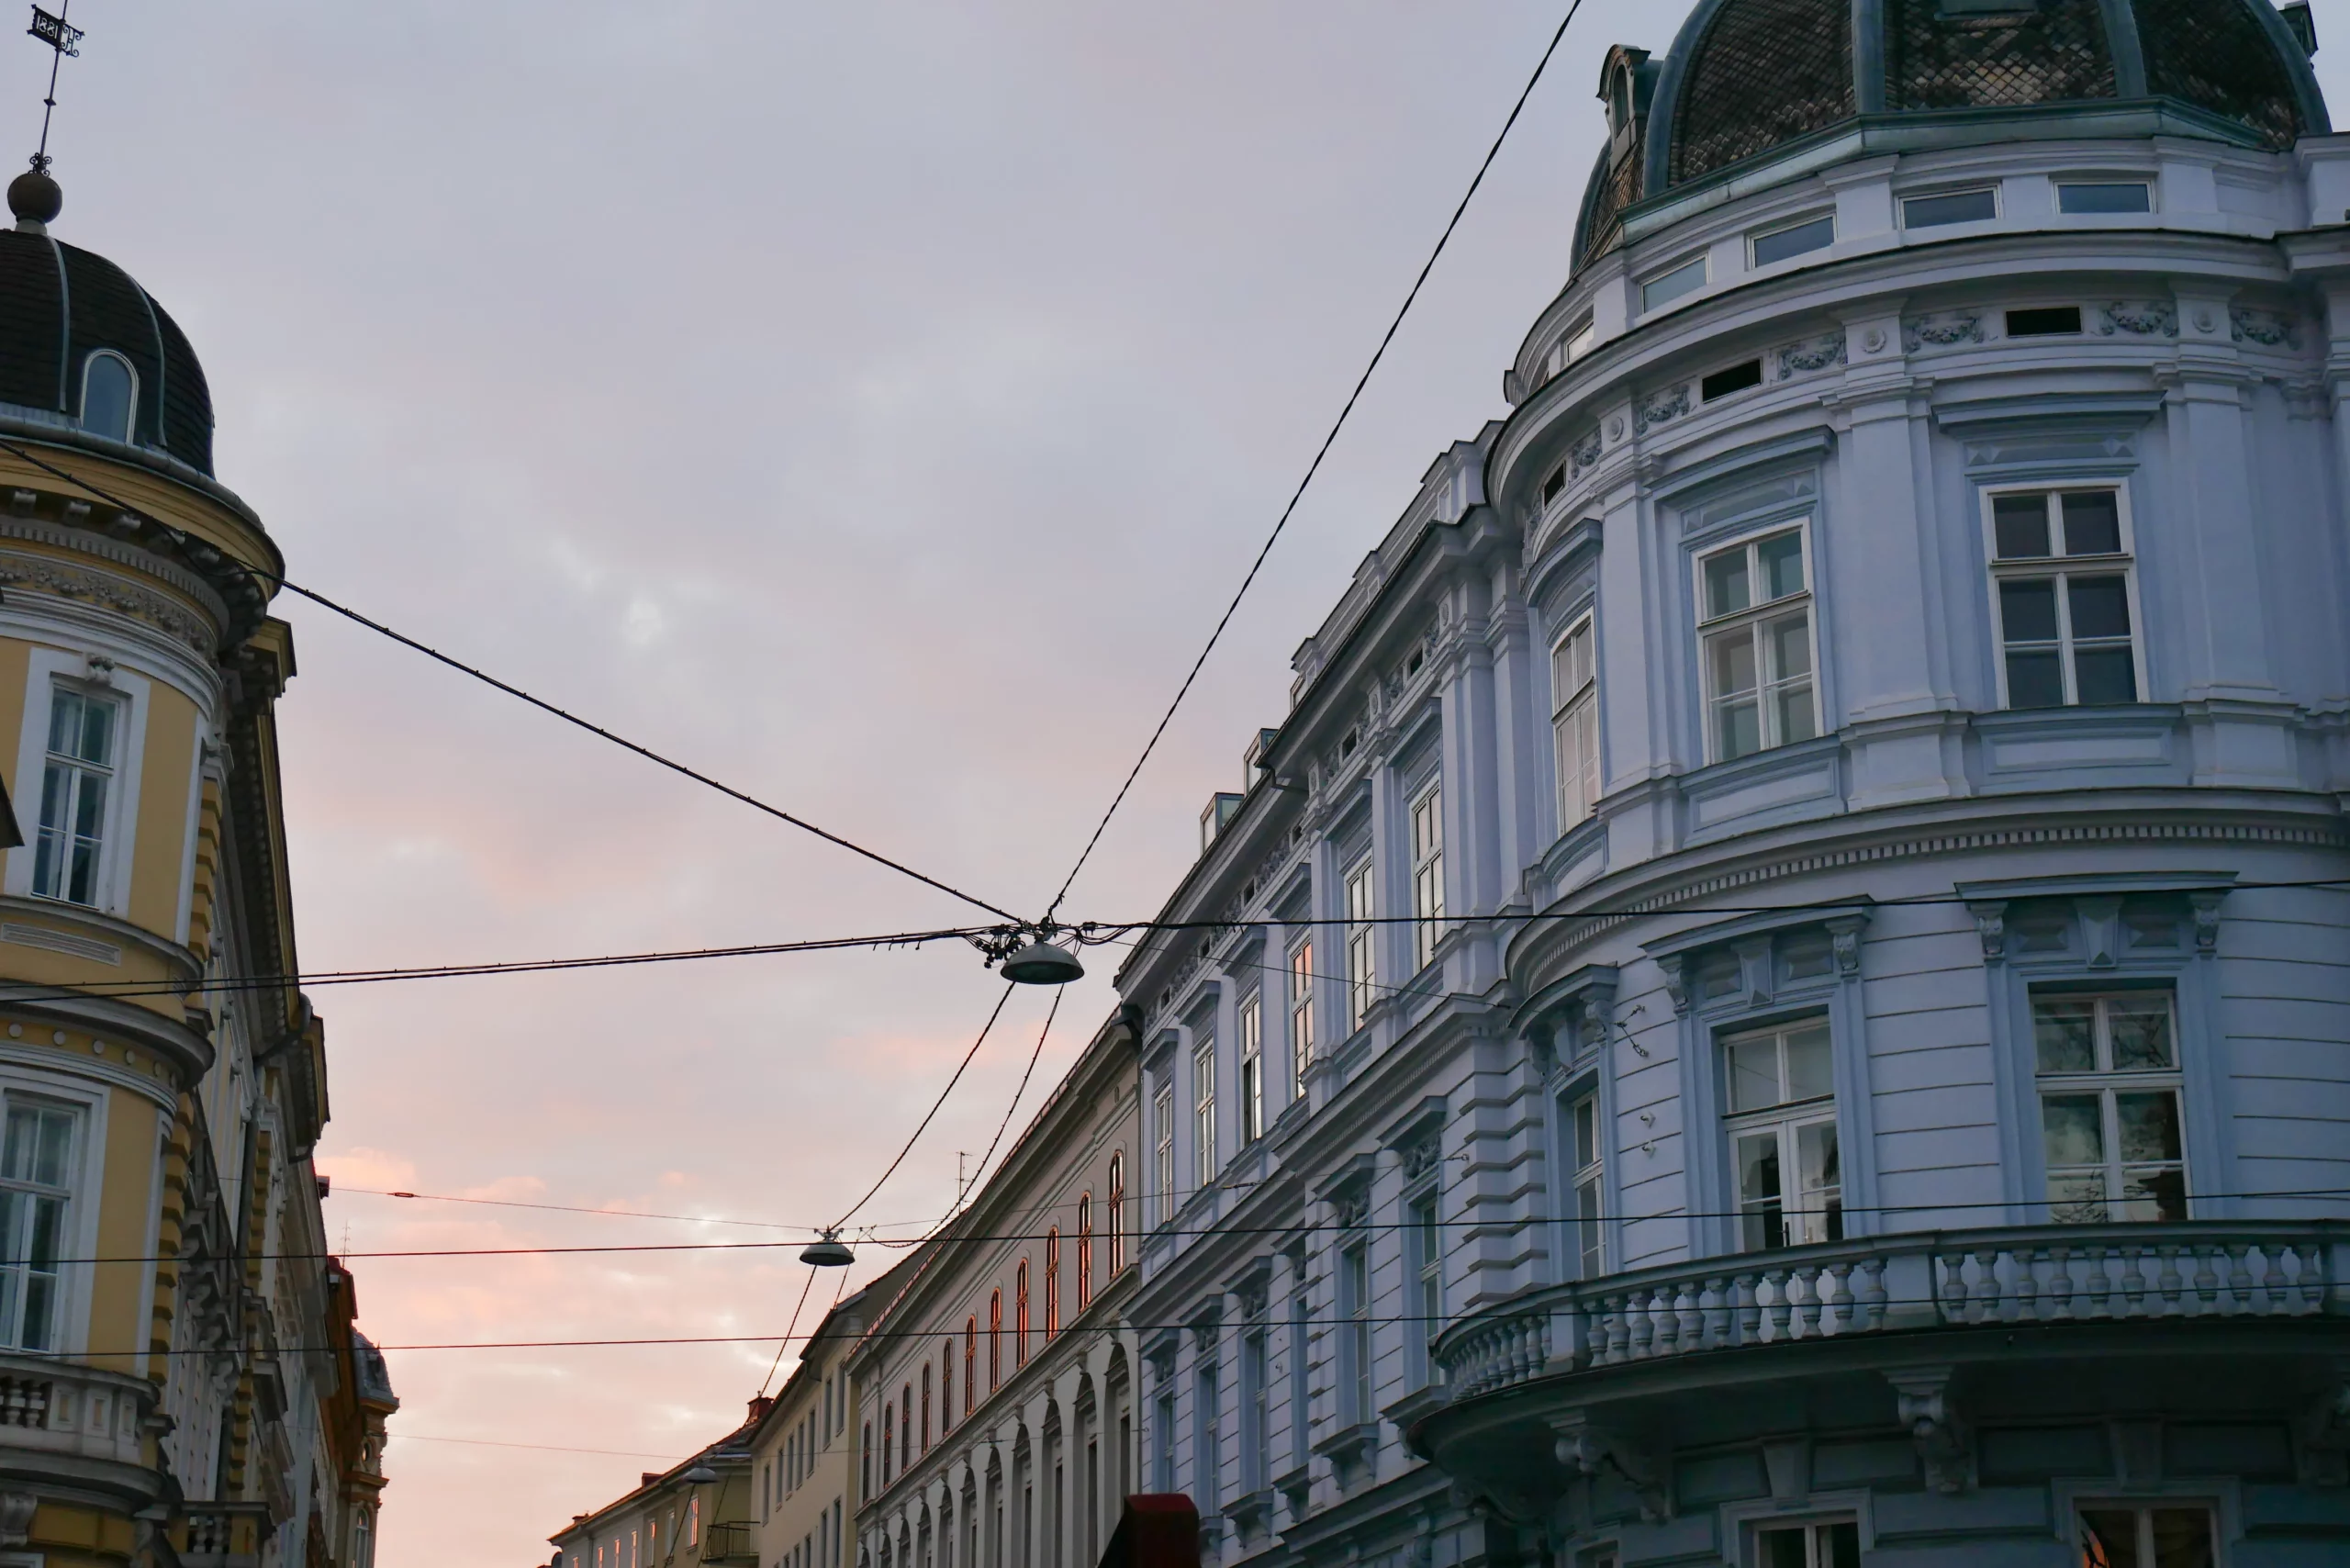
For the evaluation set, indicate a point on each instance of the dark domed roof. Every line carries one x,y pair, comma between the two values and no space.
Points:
59,305
1747,78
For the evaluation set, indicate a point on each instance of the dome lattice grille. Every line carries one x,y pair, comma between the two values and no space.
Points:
1769,71
2054,53
2220,56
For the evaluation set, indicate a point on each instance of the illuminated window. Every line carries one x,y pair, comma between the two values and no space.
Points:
1052,1281
1301,1014
1117,1213
1361,973
1250,1029
1020,1314
1084,1251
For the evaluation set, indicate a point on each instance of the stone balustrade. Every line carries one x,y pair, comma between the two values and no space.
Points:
223,1535
62,1407
2042,1274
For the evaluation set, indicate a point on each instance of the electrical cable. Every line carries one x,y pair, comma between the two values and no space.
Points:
181,537
404,1435
1315,467
1009,987
340,1190
791,1328
980,1173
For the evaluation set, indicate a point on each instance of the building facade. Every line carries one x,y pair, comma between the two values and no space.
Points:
691,1514
997,1390
1779,997
191,1398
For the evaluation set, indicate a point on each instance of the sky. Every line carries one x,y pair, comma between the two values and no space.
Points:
872,406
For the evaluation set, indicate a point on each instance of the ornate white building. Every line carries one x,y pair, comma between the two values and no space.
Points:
1787,997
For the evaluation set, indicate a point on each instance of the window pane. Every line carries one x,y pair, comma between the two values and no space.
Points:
56,1135
2105,675
1733,664
1586,1133
98,733
1807,1063
2153,1196
2140,1027
1753,1074
2182,1538
90,805
64,723
1792,705
1739,730
1782,1547
1726,588
2078,1199
1795,241
2092,523
2109,1539
2116,197
1789,640
1958,207
2036,679
1781,561
2020,526
1823,1181
1757,1168
2073,1129
2063,1034
2149,1124
2028,610
2101,607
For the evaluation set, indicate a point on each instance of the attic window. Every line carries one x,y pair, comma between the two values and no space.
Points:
1249,893
1736,378
1552,483
109,391
1347,745
1412,665
2046,321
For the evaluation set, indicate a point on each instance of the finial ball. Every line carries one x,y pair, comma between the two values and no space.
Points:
34,198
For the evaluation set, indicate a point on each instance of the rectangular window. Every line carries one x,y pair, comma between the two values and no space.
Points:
1580,339
1427,875
1162,1420
2117,196
1428,1268
1203,1115
1742,377
2044,322
1301,1014
1249,1025
1833,1543
1950,207
1361,974
1300,1387
1255,1413
36,1180
1783,1123
1756,630
77,781
1354,1311
2061,576
1574,721
1794,239
1162,1128
1582,1121
2111,1128
1666,288
2147,1535
1207,1430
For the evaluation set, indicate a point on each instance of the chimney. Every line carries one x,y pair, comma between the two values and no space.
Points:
646,1478
760,1405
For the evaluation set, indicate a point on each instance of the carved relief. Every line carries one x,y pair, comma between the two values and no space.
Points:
107,592
2144,319
1818,354
1660,409
1942,330
2267,328
1586,453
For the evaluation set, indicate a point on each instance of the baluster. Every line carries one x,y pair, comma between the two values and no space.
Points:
1805,1283
2133,1282
1542,1343
2101,1286
2207,1283
2059,1283
2310,1282
2240,1280
1667,1305
1693,1316
2026,1263
1619,1329
1746,1310
1781,1308
1839,1297
1873,1297
2169,1284
1990,1294
1949,1279
1711,1309
1643,1330
2274,1282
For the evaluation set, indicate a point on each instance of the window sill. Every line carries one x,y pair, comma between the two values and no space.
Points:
1350,1446
1430,1395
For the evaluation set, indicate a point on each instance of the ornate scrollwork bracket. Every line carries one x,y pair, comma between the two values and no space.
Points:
1930,1413
1586,1450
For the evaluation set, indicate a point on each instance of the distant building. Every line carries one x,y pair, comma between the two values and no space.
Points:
201,1397
1784,998
691,1514
996,1412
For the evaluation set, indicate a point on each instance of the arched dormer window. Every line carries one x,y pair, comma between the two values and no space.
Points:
109,393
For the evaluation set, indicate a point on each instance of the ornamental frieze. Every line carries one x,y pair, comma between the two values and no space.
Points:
107,592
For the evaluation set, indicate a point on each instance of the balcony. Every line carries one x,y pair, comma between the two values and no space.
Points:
223,1535
730,1541
1896,1332
71,1411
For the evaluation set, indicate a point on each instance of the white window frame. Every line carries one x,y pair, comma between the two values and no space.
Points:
2145,1507
1162,1114
1574,719
130,430
1999,208
67,1195
49,668
2108,182
1362,970
1301,1012
1587,1156
1801,1221
1424,1221
1756,237
1249,1024
1205,1165
1685,276
1751,622
2108,1084
78,1235
1817,1549
1354,1315
1427,819
2061,569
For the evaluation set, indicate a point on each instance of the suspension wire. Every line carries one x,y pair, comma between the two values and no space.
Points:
1009,987
181,537
1315,466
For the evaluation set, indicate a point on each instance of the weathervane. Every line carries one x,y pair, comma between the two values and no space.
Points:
62,40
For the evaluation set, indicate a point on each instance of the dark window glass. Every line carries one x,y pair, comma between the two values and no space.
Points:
2028,608
2101,607
2019,525
2035,679
2129,197
2092,523
105,397
1737,378
2104,675
1816,235
1958,206
2048,321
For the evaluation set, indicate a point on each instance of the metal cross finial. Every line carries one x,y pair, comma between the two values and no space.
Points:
62,40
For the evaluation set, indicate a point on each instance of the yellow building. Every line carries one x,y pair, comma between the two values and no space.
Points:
695,1515
170,1346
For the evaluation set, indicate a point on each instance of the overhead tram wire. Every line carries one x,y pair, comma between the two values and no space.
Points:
928,1115
979,1172
181,536
1320,453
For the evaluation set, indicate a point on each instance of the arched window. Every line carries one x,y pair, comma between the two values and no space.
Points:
970,1363
925,1408
865,1457
889,1441
906,1426
363,1541
946,1385
1084,1251
1052,1281
1019,1314
1117,1213
109,393
995,1339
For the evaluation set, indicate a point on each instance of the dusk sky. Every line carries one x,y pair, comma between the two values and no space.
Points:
871,404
